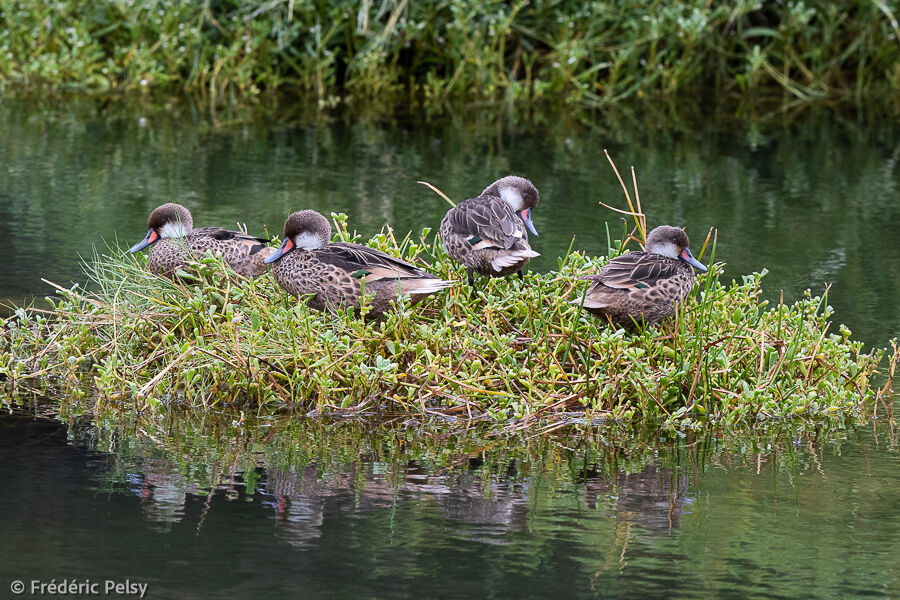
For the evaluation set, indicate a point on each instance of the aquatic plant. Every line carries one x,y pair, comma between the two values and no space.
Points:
581,53
516,353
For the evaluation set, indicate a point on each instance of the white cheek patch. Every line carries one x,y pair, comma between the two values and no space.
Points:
172,230
666,250
308,241
512,197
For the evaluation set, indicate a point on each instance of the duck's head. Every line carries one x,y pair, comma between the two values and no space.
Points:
304,229
672,242
169,220
519,193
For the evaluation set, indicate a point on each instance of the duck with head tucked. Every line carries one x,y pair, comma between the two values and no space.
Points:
644,286
334,275
489,234
173,242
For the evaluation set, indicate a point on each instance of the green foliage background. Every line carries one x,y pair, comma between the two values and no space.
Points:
429,50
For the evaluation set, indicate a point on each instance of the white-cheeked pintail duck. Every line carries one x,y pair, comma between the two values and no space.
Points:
335,274
644,286
173,242
488,234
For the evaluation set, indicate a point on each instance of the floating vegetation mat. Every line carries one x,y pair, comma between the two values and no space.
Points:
509,351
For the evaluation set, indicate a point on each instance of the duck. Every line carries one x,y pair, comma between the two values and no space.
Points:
489,234
173,242
335,274
644,286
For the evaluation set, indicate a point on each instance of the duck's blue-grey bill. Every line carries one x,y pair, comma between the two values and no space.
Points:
286,246
687,257
151,237
526,218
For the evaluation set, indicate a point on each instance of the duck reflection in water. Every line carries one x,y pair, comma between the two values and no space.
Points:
652,498
485,507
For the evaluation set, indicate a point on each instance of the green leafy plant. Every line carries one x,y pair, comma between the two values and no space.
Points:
578,53
512,352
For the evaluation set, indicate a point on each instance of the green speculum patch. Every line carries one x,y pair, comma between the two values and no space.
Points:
516,353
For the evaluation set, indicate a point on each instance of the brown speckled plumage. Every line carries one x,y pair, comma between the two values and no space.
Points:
644,286
486,234
244,253
333,274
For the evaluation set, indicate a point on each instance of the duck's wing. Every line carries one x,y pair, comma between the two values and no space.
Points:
226,235
636,270
362,261
486,222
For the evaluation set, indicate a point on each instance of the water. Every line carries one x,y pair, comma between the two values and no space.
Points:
200,507
334,511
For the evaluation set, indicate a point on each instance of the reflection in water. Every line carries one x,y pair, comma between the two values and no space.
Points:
301,497
652,498
198,508
162,491
298,501
483,510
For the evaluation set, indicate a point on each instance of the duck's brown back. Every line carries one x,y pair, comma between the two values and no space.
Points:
334,277
243,253
638,286
485,235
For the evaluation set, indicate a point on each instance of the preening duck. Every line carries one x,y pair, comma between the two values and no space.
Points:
489,234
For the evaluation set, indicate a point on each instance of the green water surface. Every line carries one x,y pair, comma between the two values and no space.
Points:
203,508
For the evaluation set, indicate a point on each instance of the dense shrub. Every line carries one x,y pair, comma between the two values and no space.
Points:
575,52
